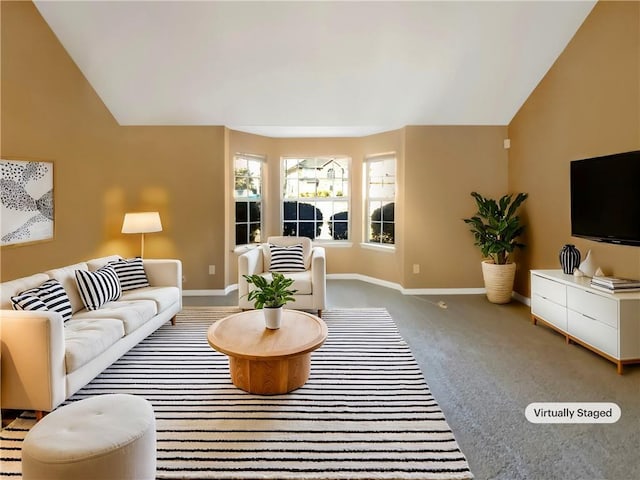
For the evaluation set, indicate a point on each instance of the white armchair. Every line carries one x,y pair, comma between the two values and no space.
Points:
310,283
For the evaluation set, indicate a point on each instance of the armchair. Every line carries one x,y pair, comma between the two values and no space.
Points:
310,283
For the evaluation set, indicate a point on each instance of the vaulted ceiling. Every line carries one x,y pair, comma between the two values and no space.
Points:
314,68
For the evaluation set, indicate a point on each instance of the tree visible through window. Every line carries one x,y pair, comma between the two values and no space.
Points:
315,199
248,198
381,194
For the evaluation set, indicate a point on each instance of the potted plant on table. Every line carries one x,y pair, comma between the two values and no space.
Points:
271,296
496,229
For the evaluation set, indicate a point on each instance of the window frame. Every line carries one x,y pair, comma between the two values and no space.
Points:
368,198
248,200
331,178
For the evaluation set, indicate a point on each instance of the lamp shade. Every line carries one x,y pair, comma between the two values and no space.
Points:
142,222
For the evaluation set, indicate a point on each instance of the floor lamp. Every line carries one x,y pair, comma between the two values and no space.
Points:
142,222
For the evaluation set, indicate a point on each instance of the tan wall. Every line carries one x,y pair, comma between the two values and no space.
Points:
443,165
438,167
102,170
246,143
49,112
587,105
180,172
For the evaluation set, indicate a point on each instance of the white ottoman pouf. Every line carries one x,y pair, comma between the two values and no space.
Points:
105,437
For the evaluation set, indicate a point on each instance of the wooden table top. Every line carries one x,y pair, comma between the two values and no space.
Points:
244,335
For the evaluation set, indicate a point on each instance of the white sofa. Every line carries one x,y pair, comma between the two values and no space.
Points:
45,360
310,283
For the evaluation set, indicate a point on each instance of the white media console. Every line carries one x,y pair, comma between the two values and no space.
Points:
606,323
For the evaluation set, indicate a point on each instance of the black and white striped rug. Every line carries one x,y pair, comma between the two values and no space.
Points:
365,413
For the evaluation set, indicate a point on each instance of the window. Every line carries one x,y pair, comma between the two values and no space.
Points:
248,198
315,197
380,189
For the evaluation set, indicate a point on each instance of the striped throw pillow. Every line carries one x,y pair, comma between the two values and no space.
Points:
130,273
99,287
50,296
286,259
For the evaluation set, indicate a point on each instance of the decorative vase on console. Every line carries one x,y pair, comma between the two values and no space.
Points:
569,258
588,266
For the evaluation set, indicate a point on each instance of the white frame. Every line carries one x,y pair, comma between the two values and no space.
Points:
367,198
342,198
263,163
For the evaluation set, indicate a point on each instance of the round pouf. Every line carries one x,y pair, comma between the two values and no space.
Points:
103,437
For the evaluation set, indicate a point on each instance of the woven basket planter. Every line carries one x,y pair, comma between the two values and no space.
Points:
498,281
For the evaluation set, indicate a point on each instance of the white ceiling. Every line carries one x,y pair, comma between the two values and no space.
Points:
314,68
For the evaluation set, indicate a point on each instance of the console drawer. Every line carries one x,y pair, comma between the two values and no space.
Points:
597,334
594,306
554,291
549,311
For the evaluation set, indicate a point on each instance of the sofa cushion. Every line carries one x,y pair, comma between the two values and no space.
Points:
86,339
132,313
99,287
286,259
96,263
48,296
130,273
67,277
163,296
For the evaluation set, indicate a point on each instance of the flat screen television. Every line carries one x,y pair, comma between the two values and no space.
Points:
605,198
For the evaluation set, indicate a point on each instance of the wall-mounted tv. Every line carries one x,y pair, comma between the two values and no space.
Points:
605,198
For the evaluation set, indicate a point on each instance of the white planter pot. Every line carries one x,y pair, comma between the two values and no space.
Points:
272,317
498,281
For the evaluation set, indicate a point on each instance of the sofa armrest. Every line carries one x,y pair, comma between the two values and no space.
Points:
319,276
33,366
249,263
163,272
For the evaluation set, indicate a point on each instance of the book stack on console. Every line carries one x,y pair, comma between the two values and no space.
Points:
615,285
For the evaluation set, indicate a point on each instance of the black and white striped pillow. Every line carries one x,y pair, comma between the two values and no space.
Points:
286,259
50,296
99,287
130,273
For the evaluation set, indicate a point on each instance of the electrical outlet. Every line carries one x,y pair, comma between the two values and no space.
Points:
416,268
212,269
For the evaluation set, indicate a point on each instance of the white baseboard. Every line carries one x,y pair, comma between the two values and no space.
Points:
364,278
406,291
521,298
210,293
372,280
444,291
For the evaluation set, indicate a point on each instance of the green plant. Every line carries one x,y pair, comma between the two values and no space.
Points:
270,294
496,227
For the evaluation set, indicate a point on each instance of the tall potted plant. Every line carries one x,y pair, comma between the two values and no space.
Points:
496,229
271,296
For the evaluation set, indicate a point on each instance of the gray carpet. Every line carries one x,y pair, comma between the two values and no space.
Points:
485,363
366,411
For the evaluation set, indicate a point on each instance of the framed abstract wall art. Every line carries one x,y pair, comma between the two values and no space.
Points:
26,201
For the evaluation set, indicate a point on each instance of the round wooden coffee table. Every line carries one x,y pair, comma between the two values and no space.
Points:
263,361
